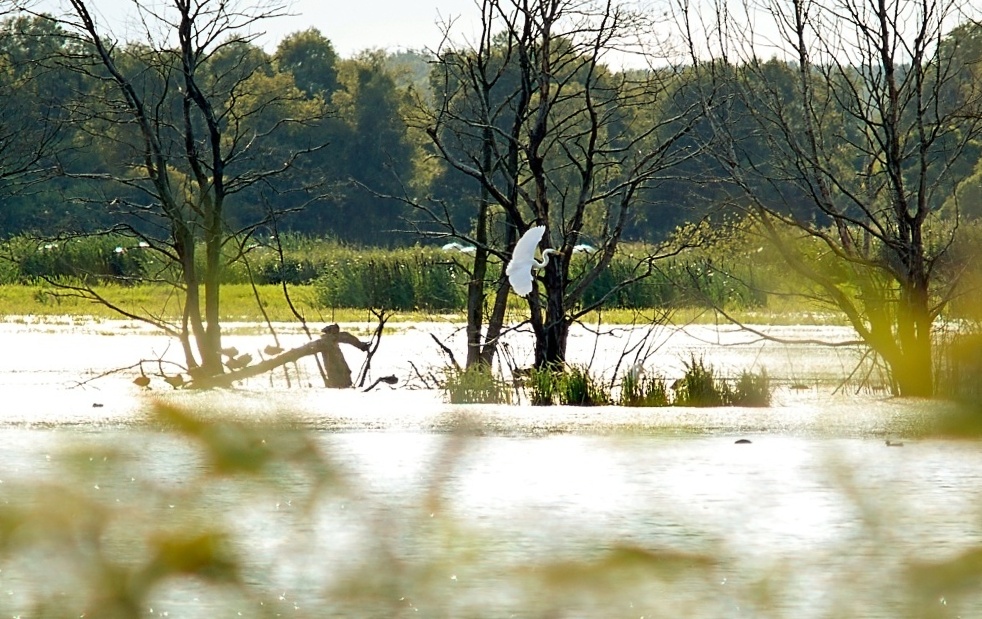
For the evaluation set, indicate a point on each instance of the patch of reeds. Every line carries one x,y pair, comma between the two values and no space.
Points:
578,387
475,385
700,385
752,389
542,385
398,280
571,385
640,389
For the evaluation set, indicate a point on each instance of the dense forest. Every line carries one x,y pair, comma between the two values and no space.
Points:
358,117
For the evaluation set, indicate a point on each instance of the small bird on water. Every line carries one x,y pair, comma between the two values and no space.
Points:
174,381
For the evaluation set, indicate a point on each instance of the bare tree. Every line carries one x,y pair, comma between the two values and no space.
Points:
552,136
844,150
187,117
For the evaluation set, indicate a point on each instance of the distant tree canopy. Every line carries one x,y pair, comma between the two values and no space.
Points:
35,124
371,156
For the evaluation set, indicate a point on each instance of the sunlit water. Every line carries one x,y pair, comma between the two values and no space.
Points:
465,510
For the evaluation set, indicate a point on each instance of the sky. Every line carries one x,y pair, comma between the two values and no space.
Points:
356,25
351,25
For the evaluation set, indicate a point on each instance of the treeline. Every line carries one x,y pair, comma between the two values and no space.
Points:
351,128
363,156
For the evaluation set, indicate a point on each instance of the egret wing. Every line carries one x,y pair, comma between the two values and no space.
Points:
519,269
524,254
521,282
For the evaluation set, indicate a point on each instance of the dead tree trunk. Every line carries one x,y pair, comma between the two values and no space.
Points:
328,346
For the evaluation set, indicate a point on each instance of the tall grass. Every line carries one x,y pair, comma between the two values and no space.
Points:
640,389
475,385
700,385
407,279
404,279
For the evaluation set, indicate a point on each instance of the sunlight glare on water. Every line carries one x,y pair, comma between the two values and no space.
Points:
816,517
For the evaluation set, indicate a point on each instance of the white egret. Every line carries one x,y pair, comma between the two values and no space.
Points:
523,262
464,249
583,248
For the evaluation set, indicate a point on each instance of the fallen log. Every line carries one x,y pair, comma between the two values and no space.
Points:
327,345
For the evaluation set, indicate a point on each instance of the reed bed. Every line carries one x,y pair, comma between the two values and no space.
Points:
418,278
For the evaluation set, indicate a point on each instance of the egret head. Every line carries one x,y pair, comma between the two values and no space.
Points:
523,262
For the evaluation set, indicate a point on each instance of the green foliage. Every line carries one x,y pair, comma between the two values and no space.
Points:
752,389
311,58
639,389
543,386
401,280
736,271
90,260
570,385
345,276
475,385
577,387
700,386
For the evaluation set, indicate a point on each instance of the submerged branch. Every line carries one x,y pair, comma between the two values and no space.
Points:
339,375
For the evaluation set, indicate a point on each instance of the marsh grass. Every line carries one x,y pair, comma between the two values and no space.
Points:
543,386
578,387
330,277
569,385
640,389
752,389
238,303
417,278
475,385
700,386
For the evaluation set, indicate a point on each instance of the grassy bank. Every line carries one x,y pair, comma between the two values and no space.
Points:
409,279
239,305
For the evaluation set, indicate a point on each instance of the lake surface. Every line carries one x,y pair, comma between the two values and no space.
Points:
408,506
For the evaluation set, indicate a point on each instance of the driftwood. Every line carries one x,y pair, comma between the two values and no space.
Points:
328,346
